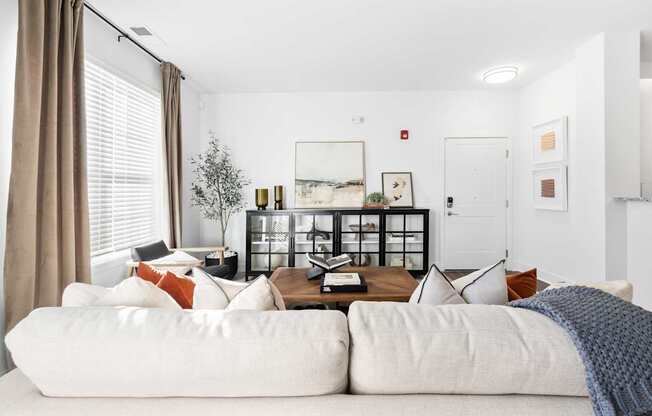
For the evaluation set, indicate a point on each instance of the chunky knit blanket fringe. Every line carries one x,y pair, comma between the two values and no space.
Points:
614,339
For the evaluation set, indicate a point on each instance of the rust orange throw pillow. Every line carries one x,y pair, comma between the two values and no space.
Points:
147,272
522,285
180,288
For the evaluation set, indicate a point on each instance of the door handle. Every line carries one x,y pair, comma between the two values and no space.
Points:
449,213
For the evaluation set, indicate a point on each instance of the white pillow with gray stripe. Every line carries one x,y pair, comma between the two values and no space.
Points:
487,286
435,289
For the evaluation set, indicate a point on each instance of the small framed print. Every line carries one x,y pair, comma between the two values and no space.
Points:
549,141
397,188
550,188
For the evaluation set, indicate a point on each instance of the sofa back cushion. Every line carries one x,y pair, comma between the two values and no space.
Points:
137,352
399,348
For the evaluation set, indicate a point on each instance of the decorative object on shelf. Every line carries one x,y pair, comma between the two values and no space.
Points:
375,200
278,197
277,231
368,227
550,187
322,248
361,260
315,233
329,174
549,141
217,188
262,198
397,188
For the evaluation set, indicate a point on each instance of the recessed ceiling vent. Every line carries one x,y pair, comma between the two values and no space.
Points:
141,31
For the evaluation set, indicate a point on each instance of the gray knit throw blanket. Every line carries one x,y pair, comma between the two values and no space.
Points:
614,340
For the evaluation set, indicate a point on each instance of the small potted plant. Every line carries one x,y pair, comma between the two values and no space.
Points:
375,200
217,190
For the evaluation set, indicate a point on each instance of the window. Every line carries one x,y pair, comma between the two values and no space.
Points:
124,144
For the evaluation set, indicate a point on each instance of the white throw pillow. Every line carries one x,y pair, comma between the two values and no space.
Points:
135,291
257,296
177,256
210,292
486,286
435,289
620,288
82,294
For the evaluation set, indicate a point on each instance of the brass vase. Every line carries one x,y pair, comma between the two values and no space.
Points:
278,197
262,198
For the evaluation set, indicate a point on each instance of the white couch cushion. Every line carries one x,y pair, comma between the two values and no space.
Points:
82,294
19,397
135,291
399,348
435,289
139,352
486,286
621,288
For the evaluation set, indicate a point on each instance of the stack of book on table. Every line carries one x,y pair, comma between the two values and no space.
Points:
342,282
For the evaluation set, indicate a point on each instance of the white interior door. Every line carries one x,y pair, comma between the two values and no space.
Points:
475,205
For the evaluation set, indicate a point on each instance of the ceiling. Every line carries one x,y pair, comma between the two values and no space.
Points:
368,45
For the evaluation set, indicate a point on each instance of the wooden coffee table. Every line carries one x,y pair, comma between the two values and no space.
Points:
383,284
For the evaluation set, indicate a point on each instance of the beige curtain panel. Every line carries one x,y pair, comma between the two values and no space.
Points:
47,221
171,107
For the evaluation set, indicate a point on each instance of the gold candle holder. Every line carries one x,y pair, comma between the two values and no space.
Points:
262,198
278,197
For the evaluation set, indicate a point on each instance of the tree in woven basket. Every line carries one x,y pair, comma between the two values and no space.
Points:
218,186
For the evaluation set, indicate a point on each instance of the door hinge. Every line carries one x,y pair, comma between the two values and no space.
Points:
507,203
507,154
506,253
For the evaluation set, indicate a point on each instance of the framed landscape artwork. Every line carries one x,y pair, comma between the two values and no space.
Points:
550,191
397,188
329,174
549,142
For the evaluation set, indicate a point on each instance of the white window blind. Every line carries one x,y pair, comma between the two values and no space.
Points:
124,140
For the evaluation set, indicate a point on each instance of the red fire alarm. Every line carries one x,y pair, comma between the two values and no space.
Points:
404,135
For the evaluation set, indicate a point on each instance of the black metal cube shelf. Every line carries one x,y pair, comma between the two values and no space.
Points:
373,237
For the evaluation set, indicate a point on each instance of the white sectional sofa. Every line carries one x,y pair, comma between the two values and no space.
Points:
386,359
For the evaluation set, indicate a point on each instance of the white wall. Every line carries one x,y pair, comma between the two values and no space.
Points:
134,64
561,245
8,28
646,135
190,121
261,130
639,214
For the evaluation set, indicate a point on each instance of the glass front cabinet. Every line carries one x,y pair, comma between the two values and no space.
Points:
372,237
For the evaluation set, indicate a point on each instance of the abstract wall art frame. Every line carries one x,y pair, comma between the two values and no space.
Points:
397,188
329,174
550,141
550,185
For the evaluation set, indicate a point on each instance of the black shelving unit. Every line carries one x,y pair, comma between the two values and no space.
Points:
373,237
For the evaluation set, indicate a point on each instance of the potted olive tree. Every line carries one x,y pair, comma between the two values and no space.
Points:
217,189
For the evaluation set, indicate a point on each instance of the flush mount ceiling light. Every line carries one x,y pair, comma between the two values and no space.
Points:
500,74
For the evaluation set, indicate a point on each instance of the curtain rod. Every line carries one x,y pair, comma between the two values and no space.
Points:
124,34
